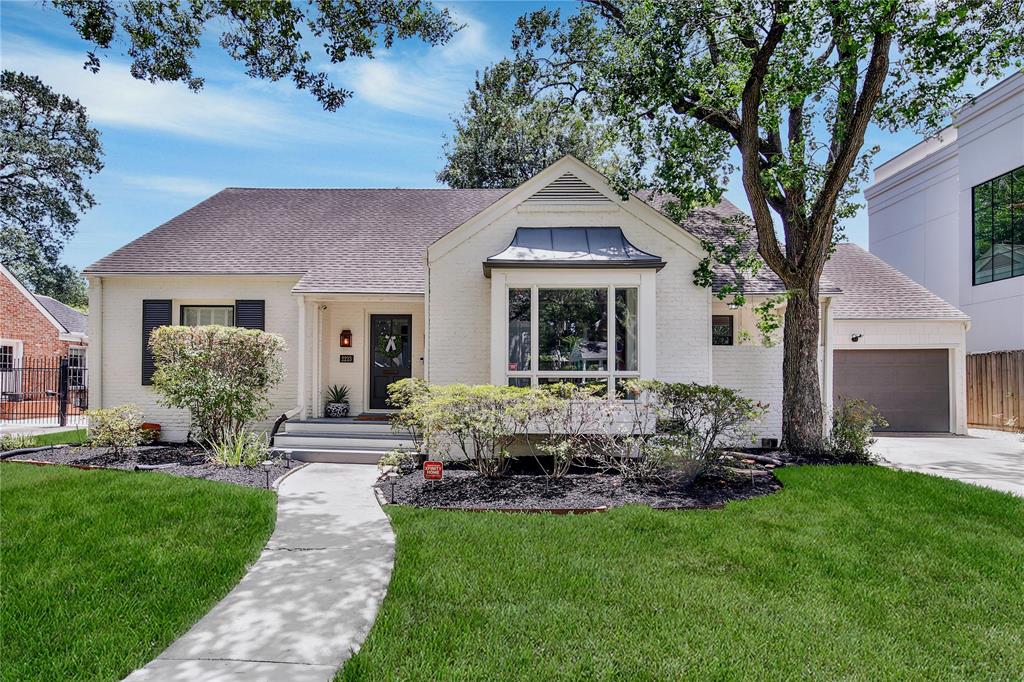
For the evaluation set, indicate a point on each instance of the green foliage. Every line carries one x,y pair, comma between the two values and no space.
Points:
47,151
507,133
246,448
271,39
407,396
102,570
853,422
117,428
571,421
402,461
221,375
476,423
677,430
16,441
337,394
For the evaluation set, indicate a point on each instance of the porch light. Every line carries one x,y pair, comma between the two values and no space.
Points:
346,338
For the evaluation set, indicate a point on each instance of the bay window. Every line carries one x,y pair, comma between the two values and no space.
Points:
584,335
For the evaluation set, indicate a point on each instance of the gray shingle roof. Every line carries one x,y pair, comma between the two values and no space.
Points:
874,290
69,318
338,240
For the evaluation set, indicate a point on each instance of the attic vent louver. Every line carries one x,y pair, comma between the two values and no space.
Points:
567,188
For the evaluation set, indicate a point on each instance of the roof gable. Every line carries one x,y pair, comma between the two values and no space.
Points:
31,298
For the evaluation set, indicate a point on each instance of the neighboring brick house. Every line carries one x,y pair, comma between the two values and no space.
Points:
37,327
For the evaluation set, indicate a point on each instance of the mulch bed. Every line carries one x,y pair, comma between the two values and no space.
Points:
177,460
463,489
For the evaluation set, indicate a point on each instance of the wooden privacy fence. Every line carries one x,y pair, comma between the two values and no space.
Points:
995,386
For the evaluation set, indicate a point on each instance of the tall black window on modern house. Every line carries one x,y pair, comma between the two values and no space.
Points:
721,330
155,313
998,227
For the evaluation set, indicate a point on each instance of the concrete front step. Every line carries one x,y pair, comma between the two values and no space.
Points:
342,439
348,425
339,456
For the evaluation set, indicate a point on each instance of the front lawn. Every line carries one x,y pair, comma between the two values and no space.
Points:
847,573
103,569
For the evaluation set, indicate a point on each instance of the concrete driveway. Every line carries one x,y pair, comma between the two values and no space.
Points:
990,458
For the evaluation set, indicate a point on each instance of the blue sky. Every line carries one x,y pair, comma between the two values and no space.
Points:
167,148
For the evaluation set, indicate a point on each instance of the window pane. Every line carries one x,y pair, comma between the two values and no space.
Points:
573,329
6,357
625,329
983,233
199,315
518,330
599,386
1018,222
1002,228
721,330
519,382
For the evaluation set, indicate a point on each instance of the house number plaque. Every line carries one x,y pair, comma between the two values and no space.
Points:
347,358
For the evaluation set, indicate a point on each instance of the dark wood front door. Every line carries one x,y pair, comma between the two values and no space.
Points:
390,353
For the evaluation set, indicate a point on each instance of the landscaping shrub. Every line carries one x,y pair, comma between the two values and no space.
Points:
403,461
246,449
572,422
677,430
853,422
117,428
478,422
15,441
408,397
221,375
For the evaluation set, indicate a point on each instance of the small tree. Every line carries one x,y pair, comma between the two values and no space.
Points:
221,375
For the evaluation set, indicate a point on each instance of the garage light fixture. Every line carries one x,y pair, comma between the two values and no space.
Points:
855,337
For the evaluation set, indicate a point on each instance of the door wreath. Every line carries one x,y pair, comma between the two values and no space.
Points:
389,345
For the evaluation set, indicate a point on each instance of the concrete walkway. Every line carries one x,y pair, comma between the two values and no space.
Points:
994,459
309,601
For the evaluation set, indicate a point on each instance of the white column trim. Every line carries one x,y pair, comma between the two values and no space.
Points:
499,328
301,302
94,352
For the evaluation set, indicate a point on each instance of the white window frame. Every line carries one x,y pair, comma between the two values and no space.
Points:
76,370
219,306
9,378
535,279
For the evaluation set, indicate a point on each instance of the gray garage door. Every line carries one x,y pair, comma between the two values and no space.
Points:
909,387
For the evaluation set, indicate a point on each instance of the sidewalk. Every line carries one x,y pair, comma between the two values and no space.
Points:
309,601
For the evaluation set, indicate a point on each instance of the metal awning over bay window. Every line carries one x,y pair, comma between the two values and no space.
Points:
572,304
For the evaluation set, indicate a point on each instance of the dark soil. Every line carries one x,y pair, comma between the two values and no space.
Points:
177,460
462,489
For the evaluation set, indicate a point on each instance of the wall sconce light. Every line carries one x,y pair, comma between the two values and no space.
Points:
856,337
346,338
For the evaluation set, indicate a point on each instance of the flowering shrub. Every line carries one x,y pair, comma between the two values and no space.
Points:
221,375
117,428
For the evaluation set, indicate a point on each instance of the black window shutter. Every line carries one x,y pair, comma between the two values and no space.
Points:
155,313
250,314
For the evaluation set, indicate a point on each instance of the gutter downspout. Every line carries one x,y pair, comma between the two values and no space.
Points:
301,406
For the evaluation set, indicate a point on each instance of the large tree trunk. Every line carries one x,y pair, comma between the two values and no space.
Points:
802,417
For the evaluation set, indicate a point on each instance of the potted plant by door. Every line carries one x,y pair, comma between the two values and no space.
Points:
337,402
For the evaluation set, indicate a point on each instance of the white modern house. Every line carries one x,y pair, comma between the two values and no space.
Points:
949,212
559,279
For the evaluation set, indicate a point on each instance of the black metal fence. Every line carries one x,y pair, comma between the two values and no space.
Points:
44,391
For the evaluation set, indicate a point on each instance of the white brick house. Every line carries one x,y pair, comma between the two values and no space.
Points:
558,279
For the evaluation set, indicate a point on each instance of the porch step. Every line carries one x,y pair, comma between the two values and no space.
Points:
342,439
346,425
336,456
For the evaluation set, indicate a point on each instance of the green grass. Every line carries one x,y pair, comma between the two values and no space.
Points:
75,437
101,570
848,573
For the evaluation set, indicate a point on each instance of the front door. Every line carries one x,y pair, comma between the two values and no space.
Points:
391,353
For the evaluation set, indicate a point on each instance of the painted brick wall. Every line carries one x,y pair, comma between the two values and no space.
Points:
120,338
756,372
459,296
21,320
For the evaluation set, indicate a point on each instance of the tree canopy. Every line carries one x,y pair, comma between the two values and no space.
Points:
507,133
47,152
780,91
273,40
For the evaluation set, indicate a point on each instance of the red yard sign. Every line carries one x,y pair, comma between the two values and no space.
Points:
432,471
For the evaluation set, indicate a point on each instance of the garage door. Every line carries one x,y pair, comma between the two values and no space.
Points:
909,387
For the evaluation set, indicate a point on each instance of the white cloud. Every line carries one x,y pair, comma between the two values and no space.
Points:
173,184
433,84
114,97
